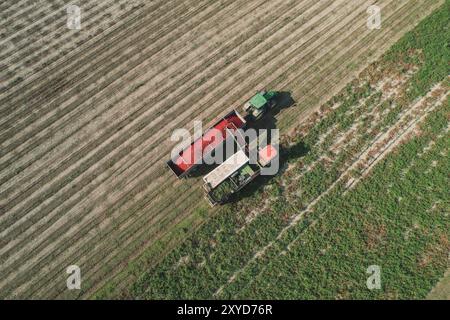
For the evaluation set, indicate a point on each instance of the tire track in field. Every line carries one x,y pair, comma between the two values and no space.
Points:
320,147
387,144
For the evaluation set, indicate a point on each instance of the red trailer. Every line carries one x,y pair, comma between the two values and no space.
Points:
190,157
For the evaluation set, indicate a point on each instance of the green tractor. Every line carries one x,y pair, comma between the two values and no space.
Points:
260,103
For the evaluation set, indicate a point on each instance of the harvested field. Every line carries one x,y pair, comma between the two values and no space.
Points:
86,118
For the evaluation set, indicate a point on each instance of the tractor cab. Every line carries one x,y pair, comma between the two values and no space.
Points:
260,103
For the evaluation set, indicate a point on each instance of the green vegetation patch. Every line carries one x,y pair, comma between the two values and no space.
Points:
428,46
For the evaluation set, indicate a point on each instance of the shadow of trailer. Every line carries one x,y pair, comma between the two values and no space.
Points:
191,157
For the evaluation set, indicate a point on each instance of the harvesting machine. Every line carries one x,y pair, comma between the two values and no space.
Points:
260,103
237,170
235,173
